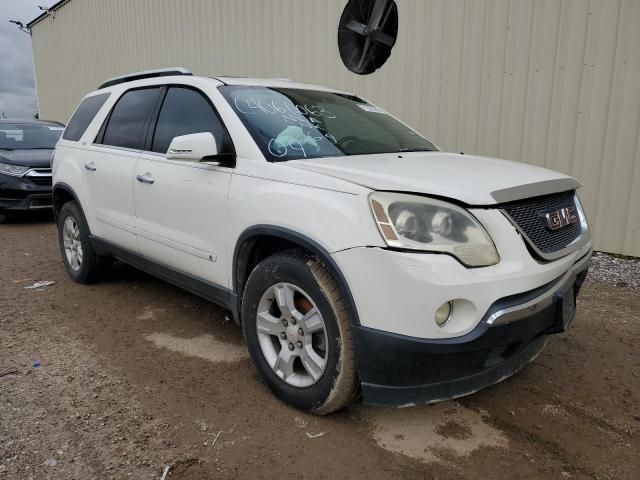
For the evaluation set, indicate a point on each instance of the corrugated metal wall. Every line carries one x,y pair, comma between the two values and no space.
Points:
549,82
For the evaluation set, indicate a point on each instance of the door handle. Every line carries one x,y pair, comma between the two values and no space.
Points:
90,166
145,178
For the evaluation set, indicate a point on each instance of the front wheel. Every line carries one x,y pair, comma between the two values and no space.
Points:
79,257
297,331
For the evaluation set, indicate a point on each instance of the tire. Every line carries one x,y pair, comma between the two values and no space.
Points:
314,291
85,270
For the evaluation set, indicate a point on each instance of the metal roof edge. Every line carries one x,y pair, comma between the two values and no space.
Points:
43,15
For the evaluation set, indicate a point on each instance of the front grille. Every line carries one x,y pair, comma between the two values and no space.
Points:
41,202
529,217
40,180
40,176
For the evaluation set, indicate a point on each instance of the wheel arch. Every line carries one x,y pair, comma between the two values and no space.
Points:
257,242
63,193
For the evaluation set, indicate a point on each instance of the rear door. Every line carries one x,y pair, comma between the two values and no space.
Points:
110,163
181,215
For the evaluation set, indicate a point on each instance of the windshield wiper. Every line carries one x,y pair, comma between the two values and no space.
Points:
404,150
30,148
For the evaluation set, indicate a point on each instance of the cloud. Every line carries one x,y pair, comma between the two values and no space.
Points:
17,85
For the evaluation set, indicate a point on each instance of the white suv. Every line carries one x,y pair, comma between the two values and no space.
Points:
358,257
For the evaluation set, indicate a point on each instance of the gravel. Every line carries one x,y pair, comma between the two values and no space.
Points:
615,270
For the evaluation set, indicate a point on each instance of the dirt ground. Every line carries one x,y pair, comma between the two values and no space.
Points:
118,379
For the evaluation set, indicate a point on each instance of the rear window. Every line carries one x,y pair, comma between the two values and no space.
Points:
128,120
83,116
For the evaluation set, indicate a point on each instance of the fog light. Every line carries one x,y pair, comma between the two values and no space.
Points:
443,313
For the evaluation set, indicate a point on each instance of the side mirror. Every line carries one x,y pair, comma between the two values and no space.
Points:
193,148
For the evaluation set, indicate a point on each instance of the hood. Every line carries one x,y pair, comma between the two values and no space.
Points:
470,179
37,158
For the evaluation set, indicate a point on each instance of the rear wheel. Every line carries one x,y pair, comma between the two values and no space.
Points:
297,331
79,257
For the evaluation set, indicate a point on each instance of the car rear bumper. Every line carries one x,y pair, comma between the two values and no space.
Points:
21,194
398,370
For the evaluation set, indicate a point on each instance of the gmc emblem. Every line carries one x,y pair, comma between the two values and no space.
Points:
562,218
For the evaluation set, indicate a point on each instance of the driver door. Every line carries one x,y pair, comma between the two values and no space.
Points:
180,205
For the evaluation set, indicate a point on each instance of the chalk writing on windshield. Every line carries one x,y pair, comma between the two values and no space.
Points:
288,110
294,139
305,131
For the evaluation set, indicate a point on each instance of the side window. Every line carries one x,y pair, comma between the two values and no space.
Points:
83,116
128,121
186,111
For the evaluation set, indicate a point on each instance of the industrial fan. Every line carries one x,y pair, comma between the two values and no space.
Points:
366,34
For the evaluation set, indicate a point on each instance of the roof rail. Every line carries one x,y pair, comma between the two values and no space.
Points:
129,77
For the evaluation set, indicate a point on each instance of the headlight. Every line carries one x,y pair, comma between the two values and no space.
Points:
420,223
15,170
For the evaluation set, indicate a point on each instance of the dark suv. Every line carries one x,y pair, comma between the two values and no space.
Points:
25,170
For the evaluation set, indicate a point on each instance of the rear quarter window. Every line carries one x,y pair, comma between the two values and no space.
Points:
83,116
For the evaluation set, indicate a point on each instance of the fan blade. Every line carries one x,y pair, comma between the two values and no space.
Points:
383,38
378,14
364,56
357,27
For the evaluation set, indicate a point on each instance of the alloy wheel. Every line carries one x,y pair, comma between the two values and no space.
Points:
72,243
292,335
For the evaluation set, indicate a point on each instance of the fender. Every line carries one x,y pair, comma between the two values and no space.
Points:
63,186
240,256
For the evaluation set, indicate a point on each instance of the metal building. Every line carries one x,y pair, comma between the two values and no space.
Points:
554,83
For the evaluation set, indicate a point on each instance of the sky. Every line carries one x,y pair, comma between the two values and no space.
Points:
17,85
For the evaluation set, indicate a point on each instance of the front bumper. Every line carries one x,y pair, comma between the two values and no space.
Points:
25,193
399,370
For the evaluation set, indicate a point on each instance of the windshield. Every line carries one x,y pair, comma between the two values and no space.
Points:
292,124
25,136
